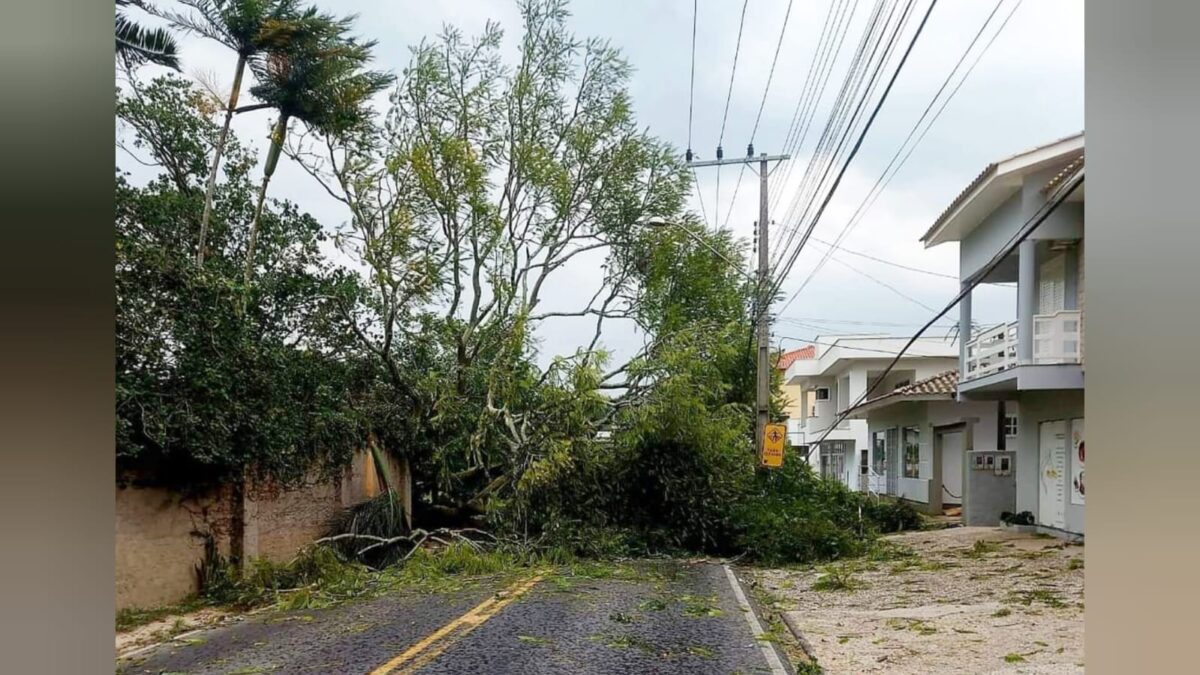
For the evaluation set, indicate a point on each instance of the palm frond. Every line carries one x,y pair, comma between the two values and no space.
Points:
138,45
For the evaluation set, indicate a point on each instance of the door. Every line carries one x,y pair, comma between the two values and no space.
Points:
952,467
1052,452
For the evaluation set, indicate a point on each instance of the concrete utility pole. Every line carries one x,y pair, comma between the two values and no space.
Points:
762,327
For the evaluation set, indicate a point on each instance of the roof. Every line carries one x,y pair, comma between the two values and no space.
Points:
787,358
839,352
1063,176
944,385
1015,166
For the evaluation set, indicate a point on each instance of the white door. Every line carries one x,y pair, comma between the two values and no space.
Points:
952,467
1052,285
1052,450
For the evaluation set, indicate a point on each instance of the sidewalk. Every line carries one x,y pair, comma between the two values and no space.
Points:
959,600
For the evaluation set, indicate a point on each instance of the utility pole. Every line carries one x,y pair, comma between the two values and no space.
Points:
762,326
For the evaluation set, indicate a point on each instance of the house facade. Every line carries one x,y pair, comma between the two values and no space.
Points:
929,442
793,396
1036,361
838,377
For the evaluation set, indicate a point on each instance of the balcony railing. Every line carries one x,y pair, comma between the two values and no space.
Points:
1056,339
992,351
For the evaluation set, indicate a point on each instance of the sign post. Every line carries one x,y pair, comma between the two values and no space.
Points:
771,455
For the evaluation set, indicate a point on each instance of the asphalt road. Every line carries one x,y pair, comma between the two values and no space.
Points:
661,618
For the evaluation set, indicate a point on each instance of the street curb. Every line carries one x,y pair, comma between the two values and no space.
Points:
775,663
805,646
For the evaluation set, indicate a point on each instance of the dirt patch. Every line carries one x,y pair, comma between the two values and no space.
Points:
960,600
167,628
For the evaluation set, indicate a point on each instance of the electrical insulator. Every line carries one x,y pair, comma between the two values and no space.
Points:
689,155
750,150
720,152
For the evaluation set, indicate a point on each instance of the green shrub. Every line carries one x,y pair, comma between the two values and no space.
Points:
888,515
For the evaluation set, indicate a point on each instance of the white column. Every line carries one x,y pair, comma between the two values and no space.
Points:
1027,297
964,331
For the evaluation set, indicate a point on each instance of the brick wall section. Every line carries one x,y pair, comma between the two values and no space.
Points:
160,533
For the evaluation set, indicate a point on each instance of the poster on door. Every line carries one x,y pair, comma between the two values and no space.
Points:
1052,498
1077,461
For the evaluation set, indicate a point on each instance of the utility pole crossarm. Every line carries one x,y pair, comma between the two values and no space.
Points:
739,160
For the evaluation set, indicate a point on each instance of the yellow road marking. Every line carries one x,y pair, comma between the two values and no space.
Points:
428,649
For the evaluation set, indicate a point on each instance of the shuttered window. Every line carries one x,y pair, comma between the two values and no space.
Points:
1052,285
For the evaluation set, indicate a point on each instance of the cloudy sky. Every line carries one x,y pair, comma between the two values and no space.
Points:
1026,90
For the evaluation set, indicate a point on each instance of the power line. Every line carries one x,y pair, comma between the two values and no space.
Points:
852,322
758,118
737,48
890,352
793,140
883,283
857,145
885,262
843,120
692,85
877,189
1021,235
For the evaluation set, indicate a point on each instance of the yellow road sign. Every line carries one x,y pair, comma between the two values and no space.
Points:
772,450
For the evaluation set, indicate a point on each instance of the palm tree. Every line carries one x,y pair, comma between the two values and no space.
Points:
321,83
137,45
252,29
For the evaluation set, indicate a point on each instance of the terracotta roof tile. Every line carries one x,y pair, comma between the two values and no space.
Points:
788,358
942,384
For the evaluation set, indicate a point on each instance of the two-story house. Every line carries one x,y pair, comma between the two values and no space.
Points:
1036,360
844,367
793,396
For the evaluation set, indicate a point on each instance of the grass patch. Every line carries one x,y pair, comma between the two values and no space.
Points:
1013,657
918,626
533,640
652,605
132,617
837,578
1002,612
1075,564
702,651
982,548
700,606
621,617
632,642
1041,595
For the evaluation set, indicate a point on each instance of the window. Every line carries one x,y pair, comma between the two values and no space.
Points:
879,446
863,462
1010,426
833,461
822,393
912,452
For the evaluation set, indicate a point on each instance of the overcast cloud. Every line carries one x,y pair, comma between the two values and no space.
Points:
1027,90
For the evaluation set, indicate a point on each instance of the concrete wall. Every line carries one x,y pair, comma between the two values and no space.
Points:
160,533
1037,407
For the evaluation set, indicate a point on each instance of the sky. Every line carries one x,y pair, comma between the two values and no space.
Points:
1026,90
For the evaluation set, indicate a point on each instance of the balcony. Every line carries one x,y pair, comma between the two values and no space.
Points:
1056,340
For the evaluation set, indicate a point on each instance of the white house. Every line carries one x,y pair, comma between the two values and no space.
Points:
844,367
928,441
1037,360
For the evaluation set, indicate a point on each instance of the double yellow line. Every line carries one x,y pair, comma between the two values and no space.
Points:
419,655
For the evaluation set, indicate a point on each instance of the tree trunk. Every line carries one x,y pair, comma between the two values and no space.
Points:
216,163
277,135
